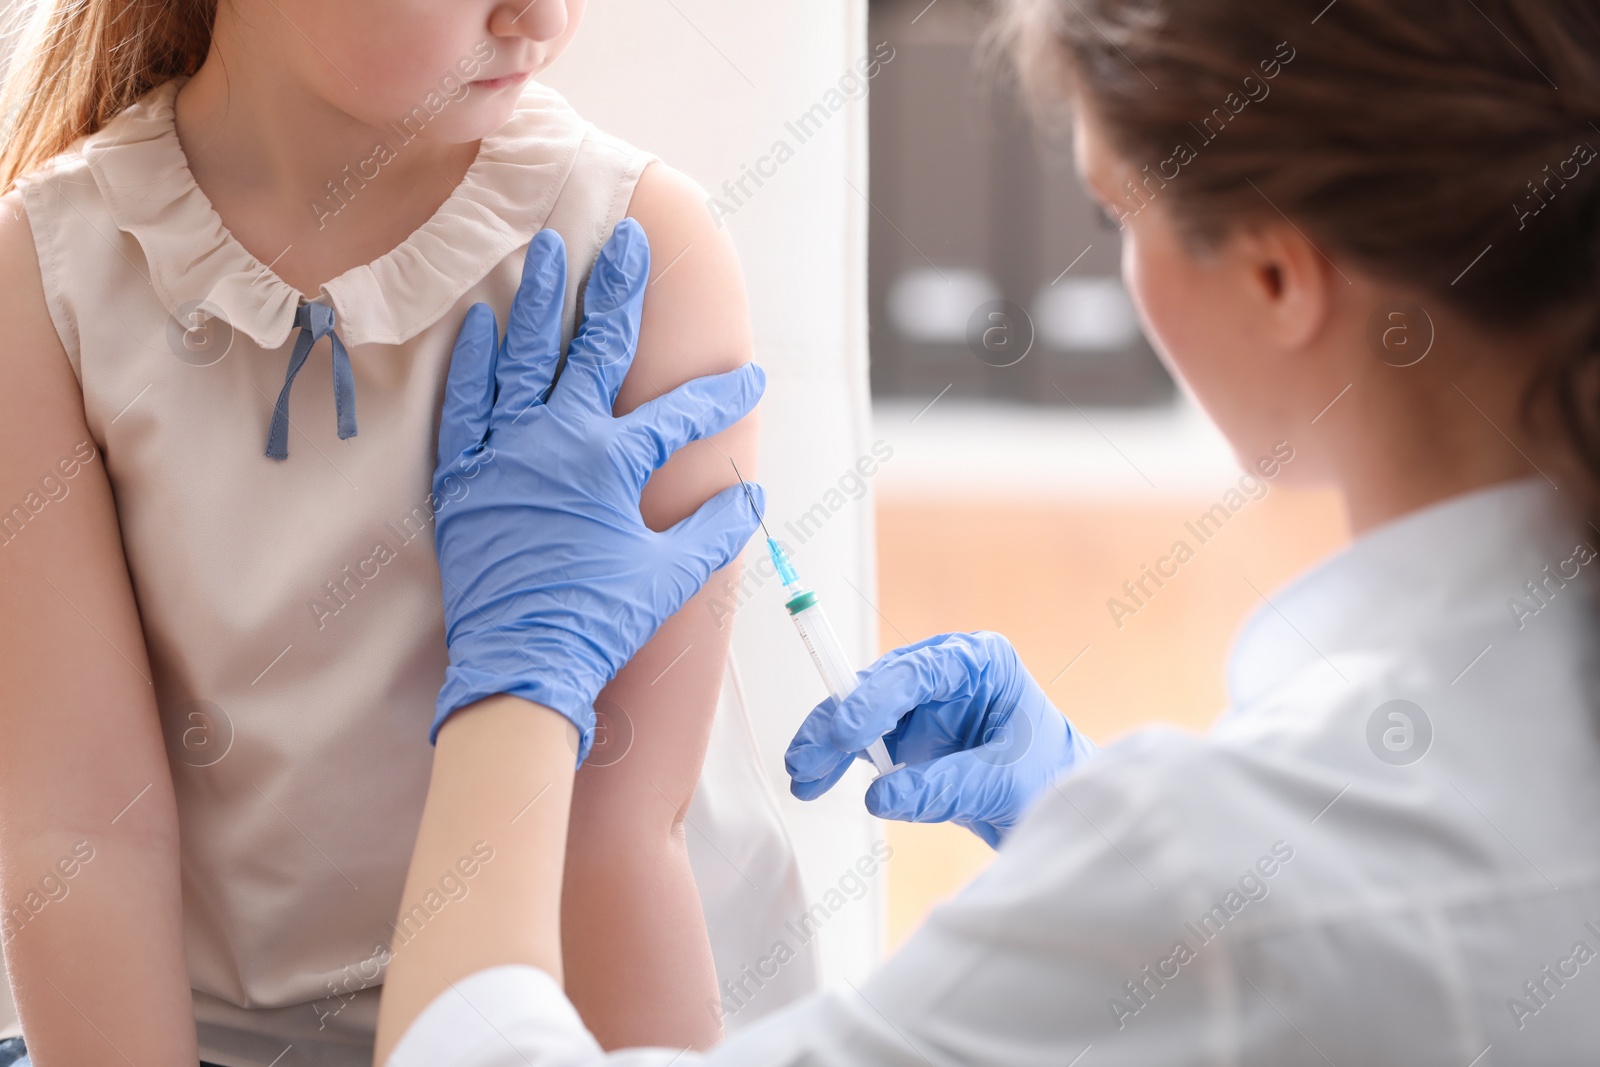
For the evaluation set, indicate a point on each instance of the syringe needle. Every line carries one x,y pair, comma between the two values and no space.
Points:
750,497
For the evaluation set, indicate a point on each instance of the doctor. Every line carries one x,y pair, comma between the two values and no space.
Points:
1386,850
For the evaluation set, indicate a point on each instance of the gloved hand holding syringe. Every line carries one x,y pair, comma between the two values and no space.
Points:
815,630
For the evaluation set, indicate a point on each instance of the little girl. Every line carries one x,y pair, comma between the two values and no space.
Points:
240,240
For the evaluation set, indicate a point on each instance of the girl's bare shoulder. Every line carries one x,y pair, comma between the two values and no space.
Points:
696,307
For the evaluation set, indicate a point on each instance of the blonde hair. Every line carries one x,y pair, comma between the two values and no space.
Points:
79,62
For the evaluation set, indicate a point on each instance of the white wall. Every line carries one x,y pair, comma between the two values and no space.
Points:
709,85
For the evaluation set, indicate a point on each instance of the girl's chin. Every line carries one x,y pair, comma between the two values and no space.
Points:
473,117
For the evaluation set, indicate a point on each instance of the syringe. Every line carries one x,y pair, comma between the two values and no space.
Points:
817,633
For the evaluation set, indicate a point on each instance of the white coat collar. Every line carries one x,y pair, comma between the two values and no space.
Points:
1437,579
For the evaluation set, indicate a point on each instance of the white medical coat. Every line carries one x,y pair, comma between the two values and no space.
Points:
1387,851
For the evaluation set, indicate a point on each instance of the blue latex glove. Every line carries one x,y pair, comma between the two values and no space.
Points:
979,739
551,579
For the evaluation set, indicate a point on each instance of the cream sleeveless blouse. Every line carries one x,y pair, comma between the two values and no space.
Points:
292,607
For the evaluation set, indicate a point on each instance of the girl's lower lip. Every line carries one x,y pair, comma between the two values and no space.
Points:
500,83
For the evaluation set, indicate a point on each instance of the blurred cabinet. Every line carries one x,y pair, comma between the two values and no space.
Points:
990,272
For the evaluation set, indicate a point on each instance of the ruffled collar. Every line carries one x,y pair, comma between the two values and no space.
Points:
504,198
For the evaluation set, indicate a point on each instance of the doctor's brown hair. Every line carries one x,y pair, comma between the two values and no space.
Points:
1407,136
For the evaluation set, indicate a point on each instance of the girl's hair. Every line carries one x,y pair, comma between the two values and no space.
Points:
79,62
1452,149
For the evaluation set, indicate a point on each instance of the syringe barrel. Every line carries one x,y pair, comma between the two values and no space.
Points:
826,652
837,674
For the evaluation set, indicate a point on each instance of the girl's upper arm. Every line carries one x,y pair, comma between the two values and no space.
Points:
696,322
88,824
78,707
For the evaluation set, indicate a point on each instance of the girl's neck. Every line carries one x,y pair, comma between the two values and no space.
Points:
293,179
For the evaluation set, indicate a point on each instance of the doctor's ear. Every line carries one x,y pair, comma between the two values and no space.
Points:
1288,281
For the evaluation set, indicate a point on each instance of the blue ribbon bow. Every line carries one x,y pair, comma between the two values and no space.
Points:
315,321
